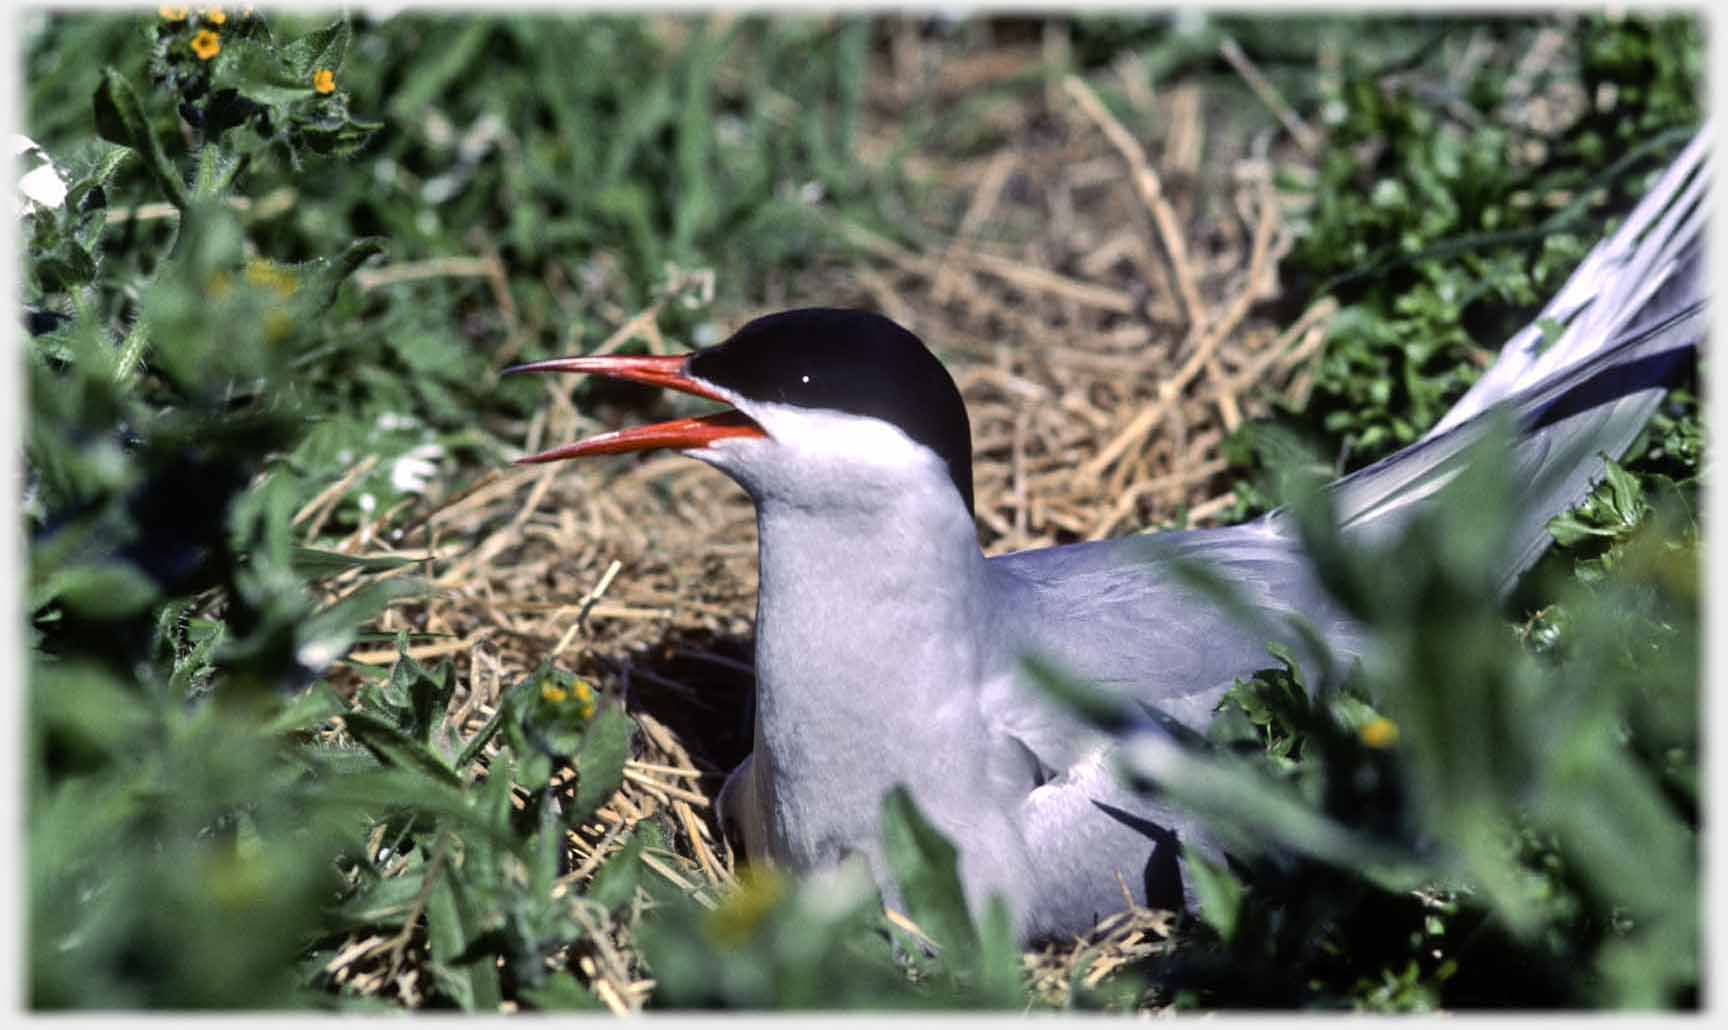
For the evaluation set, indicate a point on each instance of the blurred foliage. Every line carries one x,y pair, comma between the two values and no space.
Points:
214,342
1482,813
209,821
1463,823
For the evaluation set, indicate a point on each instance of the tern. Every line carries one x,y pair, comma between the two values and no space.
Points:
891,651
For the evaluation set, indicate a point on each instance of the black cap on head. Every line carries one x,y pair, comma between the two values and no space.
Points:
857,362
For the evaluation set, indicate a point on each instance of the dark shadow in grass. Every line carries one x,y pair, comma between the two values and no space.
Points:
701,686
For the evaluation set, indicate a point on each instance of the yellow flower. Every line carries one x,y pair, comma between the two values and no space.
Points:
760,888
214,16
171,13
324,81
206,44
554,693
1381,733
585,698
278,326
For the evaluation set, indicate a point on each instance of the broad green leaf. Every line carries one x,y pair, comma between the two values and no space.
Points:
999,958
600,766
454,920
926,868
324,49
386,902
1219,891
120,118
615,881
112,590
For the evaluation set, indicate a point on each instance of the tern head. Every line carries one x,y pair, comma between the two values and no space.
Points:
829,409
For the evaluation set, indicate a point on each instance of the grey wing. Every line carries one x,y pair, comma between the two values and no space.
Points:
1120,614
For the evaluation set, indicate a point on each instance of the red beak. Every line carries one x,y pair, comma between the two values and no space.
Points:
655,370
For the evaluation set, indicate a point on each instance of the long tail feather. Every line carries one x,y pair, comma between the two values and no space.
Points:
1633,314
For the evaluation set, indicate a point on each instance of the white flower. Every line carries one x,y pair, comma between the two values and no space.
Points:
412,471
40,186
393,420
318,654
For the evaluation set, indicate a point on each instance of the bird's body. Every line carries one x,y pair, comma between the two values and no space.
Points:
890,650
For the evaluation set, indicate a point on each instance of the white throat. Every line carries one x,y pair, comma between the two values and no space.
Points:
871,626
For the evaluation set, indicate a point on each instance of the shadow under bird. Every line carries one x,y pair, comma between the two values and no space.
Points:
889,649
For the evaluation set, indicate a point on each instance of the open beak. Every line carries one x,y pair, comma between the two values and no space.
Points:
655,370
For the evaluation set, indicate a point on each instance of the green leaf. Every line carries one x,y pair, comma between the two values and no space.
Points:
386,902
66,266
118,115
430,694
260,74
1219,891
114,590
215,171
395,748
493,799
506,713
327,635
120,119
324,49
320,280
927,870
454,921
1252,812
561,992
615,881
314,563
999,958
600,766
318,705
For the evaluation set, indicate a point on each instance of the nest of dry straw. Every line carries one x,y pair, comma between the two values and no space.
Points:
1102,297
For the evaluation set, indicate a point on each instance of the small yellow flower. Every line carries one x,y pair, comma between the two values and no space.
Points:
585,698
760,888
1381,733
206,44
324,81
214,16
171,13
278,326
